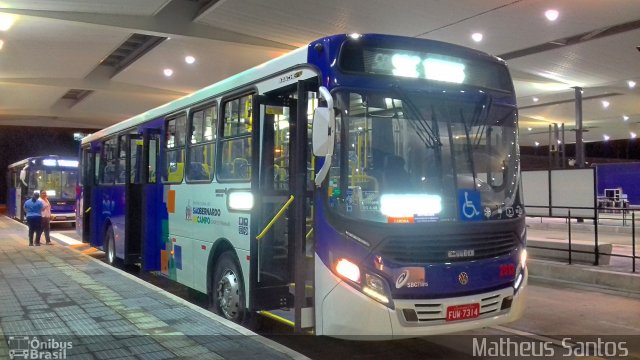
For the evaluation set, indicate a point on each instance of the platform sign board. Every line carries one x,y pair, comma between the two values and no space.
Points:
575,188
535,189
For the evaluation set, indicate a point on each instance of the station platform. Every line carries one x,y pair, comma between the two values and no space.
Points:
616,273
65,304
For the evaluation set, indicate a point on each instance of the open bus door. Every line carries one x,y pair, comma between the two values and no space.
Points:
133,194
151,198
279,276
87,180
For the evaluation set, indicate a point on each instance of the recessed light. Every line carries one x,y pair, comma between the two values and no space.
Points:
605,104
477,37
6,21
606,137
633,135
551,14
168,72
625,117
631,84
536,143
535,99
189,59
529,129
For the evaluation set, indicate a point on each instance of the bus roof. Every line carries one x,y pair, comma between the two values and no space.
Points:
42,157
295,57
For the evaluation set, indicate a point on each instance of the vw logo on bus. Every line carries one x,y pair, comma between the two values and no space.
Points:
463,278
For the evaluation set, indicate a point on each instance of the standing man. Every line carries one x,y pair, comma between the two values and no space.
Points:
46,215
33,209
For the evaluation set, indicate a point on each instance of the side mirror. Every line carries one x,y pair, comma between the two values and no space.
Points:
320,135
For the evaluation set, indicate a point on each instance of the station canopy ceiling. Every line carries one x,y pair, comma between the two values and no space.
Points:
90,64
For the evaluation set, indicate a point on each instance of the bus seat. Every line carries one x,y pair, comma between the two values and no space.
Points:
241,168
197,171
175,174
395,177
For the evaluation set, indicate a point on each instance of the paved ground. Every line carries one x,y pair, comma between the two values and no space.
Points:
52,298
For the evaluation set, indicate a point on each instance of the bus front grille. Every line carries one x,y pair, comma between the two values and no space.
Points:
448,248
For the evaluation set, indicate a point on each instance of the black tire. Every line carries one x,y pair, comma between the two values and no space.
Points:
109,247
227,289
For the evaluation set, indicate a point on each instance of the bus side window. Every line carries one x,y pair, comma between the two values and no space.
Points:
174,149
236,142
109,156
202,144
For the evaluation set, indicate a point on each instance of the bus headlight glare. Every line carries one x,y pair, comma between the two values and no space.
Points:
240,200
348,270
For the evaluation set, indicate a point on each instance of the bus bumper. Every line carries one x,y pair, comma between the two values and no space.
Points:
349,314
63,218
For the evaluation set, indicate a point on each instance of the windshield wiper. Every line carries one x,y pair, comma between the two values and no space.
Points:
423,129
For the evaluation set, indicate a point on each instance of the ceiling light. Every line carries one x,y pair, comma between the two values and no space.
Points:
551,15
535,99
6,21
633,135
477,37
625,117
606,137
631,84
536,143
529,129
189,59
605,104
168,72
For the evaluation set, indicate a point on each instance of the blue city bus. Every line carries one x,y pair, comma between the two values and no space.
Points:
55,174
361,186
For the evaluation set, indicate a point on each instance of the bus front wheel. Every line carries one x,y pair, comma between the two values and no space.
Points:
228,289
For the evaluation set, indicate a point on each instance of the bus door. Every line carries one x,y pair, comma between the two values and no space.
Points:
150,217
133,195
278,239
87,180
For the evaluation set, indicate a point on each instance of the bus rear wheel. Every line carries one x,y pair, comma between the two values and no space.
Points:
228,289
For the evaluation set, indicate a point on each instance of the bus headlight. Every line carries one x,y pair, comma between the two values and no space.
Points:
373,285
349,270
375,288
523,258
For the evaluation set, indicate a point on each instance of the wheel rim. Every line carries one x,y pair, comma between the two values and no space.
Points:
111,252
228,294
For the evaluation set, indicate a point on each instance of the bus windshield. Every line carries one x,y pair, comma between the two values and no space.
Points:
59,184
408,154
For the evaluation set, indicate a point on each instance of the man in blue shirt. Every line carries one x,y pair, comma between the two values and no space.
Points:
33,209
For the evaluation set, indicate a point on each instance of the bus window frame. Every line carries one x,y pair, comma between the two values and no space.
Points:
163,148
188,145
253,91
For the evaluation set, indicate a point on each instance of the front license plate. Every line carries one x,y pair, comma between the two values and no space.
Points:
462,312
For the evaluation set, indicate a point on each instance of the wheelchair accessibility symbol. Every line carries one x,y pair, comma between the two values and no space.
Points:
470,205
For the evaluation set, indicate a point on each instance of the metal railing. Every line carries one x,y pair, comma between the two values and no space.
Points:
571,250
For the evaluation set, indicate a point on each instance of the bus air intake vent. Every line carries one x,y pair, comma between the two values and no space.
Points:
448,248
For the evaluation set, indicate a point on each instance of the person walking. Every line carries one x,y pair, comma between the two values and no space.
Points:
46,216
33,209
